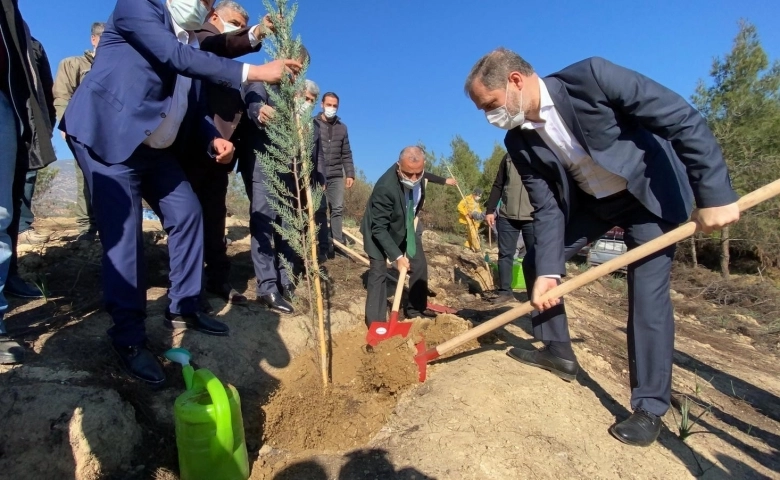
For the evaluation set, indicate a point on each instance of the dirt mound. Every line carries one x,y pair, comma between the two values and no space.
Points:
366,385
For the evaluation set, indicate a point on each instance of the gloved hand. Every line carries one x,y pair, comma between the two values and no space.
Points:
478,216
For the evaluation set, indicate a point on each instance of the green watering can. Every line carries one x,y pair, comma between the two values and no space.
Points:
209,426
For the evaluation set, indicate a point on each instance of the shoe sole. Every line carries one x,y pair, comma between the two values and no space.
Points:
172,325
624,441
563,376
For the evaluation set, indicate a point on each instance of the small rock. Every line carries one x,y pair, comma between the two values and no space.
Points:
265,450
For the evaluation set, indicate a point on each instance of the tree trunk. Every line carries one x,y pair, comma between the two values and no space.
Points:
724,252
694,258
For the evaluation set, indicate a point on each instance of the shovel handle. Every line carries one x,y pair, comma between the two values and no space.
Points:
680,233
353,238
399,289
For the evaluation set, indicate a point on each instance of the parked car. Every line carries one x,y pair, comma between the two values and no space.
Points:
606,248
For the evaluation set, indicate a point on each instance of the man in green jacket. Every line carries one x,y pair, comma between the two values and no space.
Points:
70,74
389,234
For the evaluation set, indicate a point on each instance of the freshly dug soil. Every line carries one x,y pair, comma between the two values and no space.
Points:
301,415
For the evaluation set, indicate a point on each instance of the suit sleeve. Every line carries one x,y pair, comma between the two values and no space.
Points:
382,205
548,221
497,189
669,116
142,24
346,156
227,45
433,178
255,96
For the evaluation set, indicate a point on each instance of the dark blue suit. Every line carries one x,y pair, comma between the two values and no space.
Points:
652,138
125,97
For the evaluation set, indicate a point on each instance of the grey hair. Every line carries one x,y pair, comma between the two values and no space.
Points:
97,28
413,153
494,68
232,5
312,87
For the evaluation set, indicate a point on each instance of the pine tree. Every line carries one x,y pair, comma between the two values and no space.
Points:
289,169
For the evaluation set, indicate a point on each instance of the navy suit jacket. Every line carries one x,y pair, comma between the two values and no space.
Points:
126,95
632,127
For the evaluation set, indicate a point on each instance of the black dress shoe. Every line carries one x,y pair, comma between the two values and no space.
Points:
639,430
227,293
196,321
141,363
275,301
414,313
565,369
288,292
205,305
10,351
17,287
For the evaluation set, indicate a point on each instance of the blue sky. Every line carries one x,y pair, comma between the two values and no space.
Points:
399,65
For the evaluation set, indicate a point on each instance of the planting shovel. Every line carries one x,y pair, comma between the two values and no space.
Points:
379,331
680,233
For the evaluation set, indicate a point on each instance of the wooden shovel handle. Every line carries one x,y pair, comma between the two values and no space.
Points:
684,231
399,288
353,238
354,254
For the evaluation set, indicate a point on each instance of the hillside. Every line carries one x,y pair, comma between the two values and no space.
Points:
69,412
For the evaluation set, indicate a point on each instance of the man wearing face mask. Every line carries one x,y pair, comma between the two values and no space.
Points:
598,145
389,233
335,155
70,74
143,90
224,34
274,287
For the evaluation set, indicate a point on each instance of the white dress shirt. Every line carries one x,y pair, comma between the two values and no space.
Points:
165,133
590,176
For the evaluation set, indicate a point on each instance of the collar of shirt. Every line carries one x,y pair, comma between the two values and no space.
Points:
545,106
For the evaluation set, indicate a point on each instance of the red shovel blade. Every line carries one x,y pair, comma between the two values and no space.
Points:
379,331
441,308
422,358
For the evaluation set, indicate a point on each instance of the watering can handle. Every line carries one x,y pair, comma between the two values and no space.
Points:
206,380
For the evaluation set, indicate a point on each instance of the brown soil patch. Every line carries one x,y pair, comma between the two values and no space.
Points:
301,416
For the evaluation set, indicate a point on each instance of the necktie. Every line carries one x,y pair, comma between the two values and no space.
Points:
411,248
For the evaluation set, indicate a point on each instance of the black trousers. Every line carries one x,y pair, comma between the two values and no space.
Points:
209,181
508,233
650,314
376,284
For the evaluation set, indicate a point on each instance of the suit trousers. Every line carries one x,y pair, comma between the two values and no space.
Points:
650,314
376,284
209,181
267,245
117,190
509,231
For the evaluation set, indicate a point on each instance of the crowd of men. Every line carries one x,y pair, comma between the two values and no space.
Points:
160,111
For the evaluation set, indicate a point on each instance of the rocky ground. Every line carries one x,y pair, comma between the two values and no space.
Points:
69,412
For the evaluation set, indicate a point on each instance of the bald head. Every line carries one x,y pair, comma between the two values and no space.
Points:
411,163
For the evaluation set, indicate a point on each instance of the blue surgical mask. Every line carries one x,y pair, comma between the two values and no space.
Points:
188,14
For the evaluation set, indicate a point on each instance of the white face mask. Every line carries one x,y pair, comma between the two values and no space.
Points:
330,112
303,106
188,14
227,27
500,117
407,182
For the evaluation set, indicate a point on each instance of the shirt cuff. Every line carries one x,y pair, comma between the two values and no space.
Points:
254,41
399,257
245,73
551,276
